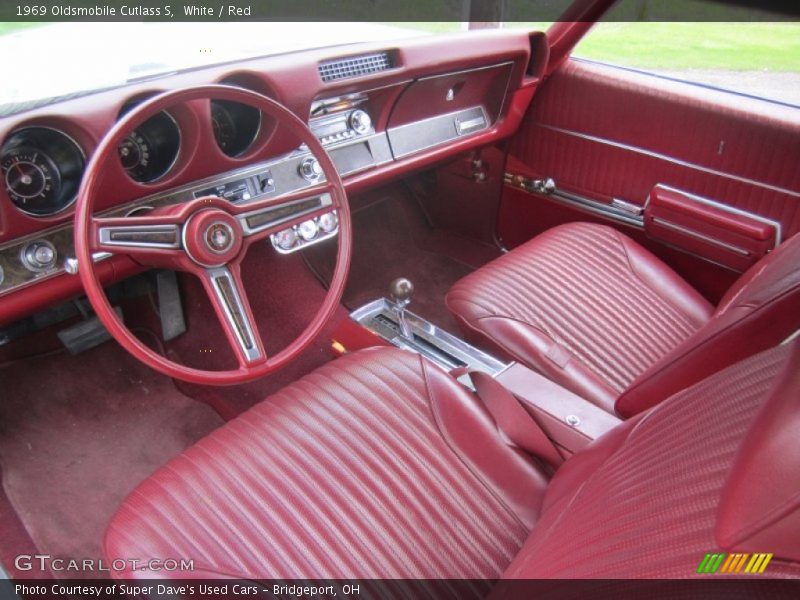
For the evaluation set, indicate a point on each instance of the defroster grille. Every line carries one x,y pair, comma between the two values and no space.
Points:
355,66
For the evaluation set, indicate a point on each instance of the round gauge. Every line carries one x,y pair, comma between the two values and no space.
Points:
151,149
328,222
235,125
134,154
286,239
32,179
41,170
224,127
307,230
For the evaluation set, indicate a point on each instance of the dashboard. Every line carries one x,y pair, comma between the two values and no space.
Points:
380,113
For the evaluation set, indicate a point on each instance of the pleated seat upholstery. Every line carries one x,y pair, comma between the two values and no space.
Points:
381,466
365,468
582,304
594,311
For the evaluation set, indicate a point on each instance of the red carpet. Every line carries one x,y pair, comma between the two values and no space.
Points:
284,295
392,238
78,433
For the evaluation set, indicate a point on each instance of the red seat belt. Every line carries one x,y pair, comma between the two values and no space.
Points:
514,420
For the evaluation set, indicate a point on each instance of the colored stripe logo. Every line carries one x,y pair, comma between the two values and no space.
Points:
736,564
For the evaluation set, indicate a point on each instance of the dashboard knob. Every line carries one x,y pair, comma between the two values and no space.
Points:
328,222
39,256
360,121
310,169
308,230
286,239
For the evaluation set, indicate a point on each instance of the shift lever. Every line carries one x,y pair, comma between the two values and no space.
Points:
401,291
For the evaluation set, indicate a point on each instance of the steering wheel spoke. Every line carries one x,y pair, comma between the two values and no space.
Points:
139,237
261,219
227,295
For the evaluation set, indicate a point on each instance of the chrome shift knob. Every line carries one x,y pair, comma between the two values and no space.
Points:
401,290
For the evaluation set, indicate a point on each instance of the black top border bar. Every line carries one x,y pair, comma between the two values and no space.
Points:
520,11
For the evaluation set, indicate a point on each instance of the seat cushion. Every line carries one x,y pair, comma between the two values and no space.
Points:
650,499
582,304
378,465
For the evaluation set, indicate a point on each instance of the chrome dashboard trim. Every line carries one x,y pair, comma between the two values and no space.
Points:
324,201
457,135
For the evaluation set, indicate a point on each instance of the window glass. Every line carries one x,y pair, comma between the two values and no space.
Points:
79,57
755,58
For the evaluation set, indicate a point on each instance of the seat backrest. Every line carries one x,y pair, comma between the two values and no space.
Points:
761,310
713,469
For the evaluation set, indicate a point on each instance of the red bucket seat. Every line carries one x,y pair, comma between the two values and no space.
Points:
380,465
595,312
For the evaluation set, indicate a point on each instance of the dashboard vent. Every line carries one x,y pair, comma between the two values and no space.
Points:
343,68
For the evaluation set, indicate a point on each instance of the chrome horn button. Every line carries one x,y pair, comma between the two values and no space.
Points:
219,237
212,237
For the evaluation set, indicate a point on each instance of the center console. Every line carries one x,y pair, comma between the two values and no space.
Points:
571,422
382,319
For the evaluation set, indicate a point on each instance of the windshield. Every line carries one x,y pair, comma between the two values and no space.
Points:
61,59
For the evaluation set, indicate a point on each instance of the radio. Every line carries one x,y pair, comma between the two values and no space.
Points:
340,119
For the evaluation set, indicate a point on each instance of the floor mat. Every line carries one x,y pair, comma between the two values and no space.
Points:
78,433
392,238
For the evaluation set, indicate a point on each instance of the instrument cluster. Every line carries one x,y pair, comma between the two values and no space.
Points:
42,167
41,170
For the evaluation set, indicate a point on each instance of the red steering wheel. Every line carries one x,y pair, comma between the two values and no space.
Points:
209,237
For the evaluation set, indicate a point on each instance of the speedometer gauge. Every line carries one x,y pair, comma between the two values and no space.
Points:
41,170
32,180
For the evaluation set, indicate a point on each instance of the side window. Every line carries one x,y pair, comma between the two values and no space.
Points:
755,58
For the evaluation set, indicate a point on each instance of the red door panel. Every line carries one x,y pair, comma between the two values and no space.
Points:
604,133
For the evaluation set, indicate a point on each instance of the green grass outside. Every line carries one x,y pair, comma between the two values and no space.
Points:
6,28
678,46
712,46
